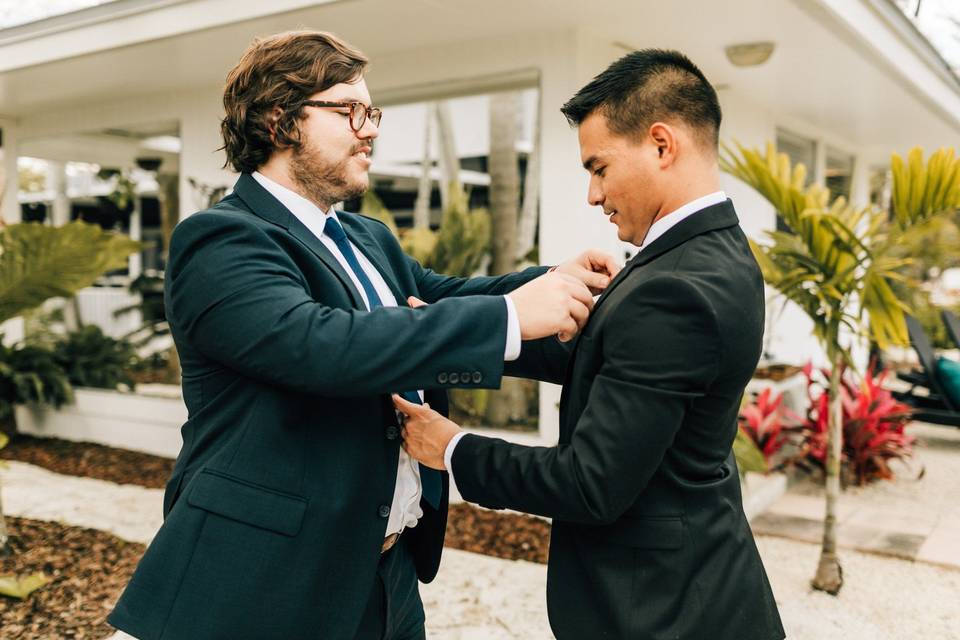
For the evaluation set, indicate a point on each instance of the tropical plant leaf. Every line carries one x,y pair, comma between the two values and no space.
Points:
21,587
748,455
38,262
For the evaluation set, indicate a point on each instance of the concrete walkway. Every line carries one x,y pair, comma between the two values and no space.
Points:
913,519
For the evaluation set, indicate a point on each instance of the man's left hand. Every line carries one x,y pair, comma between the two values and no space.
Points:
593,268
426,433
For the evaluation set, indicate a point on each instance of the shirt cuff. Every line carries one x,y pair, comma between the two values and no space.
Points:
512,349
448,454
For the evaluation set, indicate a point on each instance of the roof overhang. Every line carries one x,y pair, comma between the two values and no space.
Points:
853,68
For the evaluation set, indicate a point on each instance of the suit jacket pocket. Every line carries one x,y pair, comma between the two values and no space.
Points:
643,532
246,502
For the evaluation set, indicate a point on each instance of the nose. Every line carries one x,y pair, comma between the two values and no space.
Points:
595,193
368,131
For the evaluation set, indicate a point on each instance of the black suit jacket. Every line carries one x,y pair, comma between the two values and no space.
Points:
279,501
649,535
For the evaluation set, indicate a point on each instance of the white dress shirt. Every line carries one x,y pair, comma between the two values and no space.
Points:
656,230
405,510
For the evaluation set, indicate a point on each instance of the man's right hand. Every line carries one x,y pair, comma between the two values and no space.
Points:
553,304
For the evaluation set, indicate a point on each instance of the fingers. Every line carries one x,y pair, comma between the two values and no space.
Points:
409,408
595,280
415,302
603,262
580,314
578,290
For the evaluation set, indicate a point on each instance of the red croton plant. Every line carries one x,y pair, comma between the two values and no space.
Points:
873,424
768,424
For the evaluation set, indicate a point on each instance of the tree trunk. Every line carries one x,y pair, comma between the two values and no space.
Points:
4,536
527,228
449,160
421,210
169,216
509,404
829,576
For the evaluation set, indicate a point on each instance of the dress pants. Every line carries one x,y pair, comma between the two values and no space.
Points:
394,610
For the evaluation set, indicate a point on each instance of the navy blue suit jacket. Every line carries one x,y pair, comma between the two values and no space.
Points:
279,501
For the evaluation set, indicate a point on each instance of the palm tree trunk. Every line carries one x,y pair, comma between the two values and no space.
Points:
421,210
4,536
169,216
829,576
527,227
504,405
449,160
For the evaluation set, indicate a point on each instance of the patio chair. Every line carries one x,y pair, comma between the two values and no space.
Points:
934,406
952,323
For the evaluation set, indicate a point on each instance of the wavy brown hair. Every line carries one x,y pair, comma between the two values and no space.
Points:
280,71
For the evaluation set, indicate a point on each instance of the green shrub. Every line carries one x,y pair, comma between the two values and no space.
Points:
92,359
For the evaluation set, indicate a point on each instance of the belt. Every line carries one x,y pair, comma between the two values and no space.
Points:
388,542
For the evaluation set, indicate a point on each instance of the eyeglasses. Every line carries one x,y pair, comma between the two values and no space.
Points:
359,112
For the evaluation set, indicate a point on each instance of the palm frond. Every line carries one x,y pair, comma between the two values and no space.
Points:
38,262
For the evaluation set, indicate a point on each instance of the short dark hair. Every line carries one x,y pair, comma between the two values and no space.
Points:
282,71
647,86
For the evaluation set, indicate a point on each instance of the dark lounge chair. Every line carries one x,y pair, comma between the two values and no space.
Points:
952,323
934,406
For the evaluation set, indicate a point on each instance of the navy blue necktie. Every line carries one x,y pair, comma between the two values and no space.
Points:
429,478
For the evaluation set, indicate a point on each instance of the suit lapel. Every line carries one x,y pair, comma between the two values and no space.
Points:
718,216
262,204
364,240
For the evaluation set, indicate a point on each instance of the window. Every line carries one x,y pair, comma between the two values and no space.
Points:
800,150
838,174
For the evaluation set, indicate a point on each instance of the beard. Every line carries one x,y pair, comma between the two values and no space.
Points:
324,183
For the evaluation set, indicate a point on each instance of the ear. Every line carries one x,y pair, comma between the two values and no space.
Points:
272,119
666,141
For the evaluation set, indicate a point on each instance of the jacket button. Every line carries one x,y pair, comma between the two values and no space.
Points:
442,377
383,511
477,377
392,432
454,378
465,377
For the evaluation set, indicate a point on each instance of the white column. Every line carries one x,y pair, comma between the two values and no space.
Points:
568,225
10,206
135,264
200,138
10,210
57,182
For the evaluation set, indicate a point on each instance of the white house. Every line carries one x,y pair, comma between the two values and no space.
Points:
847,83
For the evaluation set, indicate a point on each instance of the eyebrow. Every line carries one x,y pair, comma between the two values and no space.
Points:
588,165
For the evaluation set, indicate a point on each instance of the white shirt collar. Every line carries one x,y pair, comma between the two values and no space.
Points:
677,216
307,212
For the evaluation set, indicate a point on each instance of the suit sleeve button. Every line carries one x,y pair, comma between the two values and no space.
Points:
477,377
383,511
443,377
454,378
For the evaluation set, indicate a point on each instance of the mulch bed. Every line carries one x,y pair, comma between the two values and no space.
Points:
90,568
90,460
502,535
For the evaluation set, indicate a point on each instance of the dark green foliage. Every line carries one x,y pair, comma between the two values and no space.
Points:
31,374
92,359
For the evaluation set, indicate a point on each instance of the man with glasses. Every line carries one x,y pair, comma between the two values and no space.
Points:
292,512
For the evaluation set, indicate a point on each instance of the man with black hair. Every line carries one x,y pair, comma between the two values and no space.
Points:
649,535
